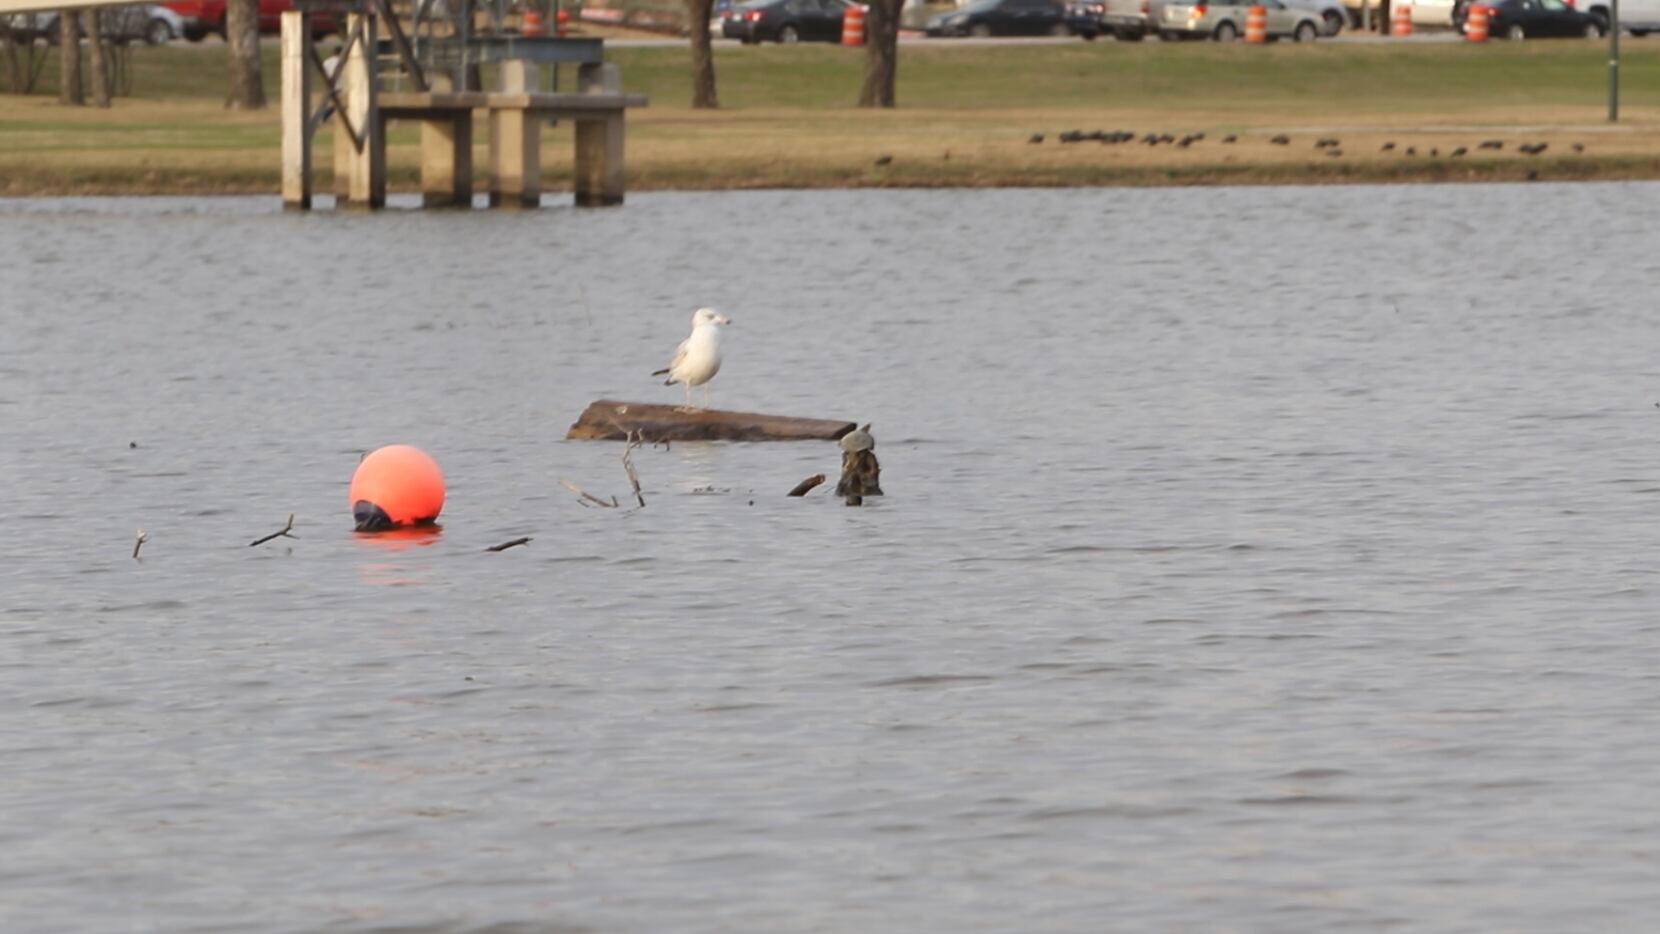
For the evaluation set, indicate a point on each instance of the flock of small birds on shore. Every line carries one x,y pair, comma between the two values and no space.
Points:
1331,146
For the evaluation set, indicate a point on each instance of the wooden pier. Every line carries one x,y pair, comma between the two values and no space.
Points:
514,113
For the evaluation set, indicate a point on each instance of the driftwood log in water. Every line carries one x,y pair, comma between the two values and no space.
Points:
612,420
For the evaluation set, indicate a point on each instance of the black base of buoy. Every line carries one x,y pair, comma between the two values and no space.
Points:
370,518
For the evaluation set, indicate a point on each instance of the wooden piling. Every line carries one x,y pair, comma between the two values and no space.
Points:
447,155
614,420
516,143
368,158
296,107
598,170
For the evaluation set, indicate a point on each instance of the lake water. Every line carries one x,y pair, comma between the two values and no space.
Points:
1258,559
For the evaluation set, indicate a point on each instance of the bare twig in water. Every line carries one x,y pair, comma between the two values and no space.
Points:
512,544
807,484
587,497
280,533
635,439
142,538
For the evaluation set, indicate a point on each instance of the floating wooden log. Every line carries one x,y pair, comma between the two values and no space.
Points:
612,420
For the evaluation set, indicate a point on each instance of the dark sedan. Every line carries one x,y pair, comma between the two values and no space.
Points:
1003,18
785,21
1536,19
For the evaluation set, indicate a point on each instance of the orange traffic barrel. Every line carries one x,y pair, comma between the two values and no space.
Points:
1476,23
395,487
1400,21
533,25
1256,23
853,25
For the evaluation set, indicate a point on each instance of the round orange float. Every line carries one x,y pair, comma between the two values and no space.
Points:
396,487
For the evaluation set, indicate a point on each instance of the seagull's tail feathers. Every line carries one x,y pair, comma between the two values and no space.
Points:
660,372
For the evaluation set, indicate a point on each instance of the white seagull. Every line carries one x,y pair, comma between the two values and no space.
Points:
697,360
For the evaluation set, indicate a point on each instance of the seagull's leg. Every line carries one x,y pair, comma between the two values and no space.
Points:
705,396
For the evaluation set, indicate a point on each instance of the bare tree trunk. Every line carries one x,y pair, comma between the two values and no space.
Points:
881,53
247,92
703,58
69,42
14,65
100,60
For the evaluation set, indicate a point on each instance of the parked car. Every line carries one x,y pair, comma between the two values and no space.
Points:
204,16
1002,18
1331,12
785,21
1224,20
1083,18
154,25
1127,20
1639,17
1537,19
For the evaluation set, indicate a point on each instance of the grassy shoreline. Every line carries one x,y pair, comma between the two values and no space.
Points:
966,119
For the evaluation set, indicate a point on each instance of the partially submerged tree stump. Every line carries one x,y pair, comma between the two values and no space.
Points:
612,420
861,474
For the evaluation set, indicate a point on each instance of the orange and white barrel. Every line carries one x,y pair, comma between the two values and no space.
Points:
853,25
533,24
1400,21
1476,23
1256,23
562,22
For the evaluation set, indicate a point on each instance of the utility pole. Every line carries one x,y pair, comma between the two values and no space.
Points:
1614,61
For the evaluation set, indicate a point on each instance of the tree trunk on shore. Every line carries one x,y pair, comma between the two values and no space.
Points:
69,41
703,59
100,59
14,65
881,53
247,92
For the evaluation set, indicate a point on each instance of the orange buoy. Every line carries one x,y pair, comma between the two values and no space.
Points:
1256,23
1476,22
853,25
396,486
533,25
1400,21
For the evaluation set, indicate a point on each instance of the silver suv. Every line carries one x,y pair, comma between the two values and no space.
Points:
1224,20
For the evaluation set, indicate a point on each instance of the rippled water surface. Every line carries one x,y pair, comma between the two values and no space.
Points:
1255,559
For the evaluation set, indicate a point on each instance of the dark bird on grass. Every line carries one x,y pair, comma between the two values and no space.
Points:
1579,147
1386,146
1490,144
1533,149
1459,152
1326,143
1411,150
1433,153
1035,138
1187,141
1281,140
1230,138
1071,136
883,160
